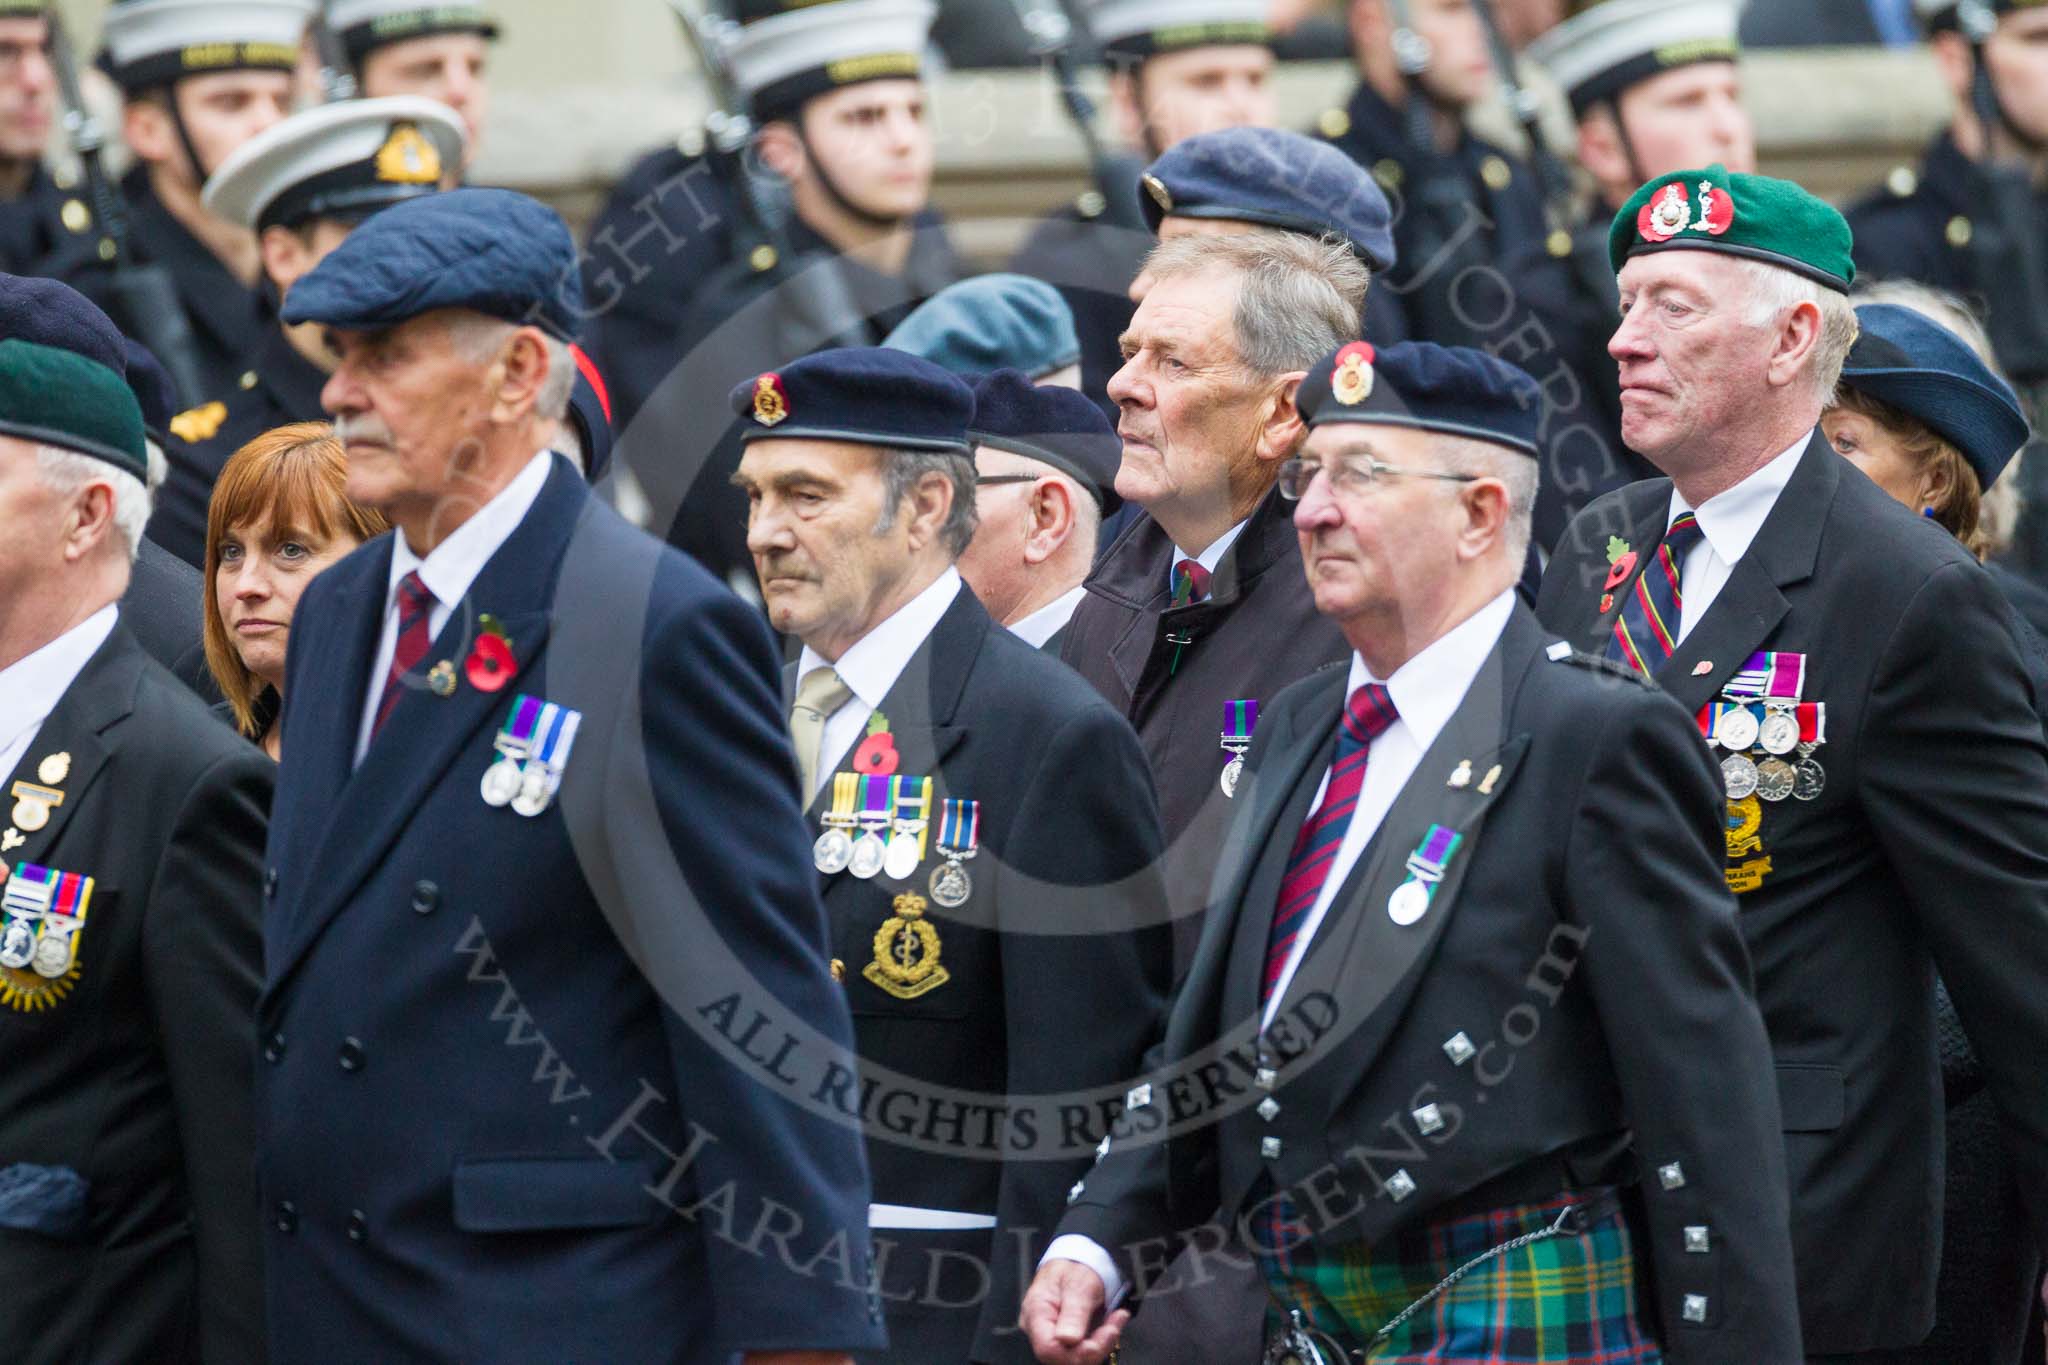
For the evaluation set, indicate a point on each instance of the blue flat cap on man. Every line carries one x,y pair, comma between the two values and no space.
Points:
992,322
1928,372
494,252
1061,427
1452,389
865,394
52,314
1274,178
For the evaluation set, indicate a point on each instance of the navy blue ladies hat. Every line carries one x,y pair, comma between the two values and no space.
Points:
992,322
50,313
1452,389
1061,427
866,394
1929,373
495,252
1274,178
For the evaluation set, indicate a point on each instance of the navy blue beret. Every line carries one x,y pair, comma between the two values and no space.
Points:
48,313
1928,372
1062,427
866,394
154,392
992,322
1452,389
491,251
1276,178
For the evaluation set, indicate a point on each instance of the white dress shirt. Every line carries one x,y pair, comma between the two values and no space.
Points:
448,570
1729,521
1048,620
870,668
1210,557
32,685
1427,691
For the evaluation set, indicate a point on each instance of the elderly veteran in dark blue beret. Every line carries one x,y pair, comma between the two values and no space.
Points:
131,856
1045,461
1005,949
1399,858
511,663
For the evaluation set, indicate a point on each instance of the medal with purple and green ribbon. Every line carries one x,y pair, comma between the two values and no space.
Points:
1238,719
1426,867
877,804
514,743
959,840
1769,673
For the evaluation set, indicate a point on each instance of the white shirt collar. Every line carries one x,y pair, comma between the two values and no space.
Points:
1043,624
453,565
874,662
35,683
1731,518
1210,557
1430,687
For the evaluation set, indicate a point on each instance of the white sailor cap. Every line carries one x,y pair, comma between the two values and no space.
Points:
365,25
1597,54
343,161
783,59
1136,29
154,42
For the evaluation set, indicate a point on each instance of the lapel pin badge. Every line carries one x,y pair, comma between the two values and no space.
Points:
1702,668
54,768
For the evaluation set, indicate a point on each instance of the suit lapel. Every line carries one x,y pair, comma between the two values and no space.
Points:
1361,957
68,752
425,733
1649,509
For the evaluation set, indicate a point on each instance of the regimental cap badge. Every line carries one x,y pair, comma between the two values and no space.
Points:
1161,195
408,157
771,400
1351,381
1671,211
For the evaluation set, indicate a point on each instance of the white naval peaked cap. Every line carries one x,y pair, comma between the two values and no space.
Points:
154,42
364,25
779,62
1142,28
1602,51
342,160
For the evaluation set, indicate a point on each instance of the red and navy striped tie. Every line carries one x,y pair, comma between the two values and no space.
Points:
1646,633
1367,714
415,638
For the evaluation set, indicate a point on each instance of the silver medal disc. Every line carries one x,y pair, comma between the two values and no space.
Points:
1739,775
1808,780
536,791
868,855
1780,732
1736,730
900,861
53,955
18,946
501,783
1409,903
951,886
1774,779
1231,772
832,852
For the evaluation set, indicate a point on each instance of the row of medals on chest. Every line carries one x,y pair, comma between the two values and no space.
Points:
891,846
1760,751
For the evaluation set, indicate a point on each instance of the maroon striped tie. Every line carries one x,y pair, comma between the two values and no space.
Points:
415,638
1367,714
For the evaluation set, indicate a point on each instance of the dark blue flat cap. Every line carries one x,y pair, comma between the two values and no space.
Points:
1061,427
1277,179
867,394
48,313
1452,389
989,323
491,251
1929,373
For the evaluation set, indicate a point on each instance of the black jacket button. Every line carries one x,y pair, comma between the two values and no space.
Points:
270,882
358,1225
352,1056
287,1216
273,1051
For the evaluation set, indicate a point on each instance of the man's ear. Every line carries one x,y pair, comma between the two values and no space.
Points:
931,504
1052,520
146,128
781,148
1792,349
525,367
1486,517
1280,426
89,520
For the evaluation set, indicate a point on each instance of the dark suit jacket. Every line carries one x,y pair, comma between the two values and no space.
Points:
134,1071
1582,942
499,1053
1257,632
162,605
1058,968
1928,847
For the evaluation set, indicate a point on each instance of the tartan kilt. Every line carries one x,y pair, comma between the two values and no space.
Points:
1566,1300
